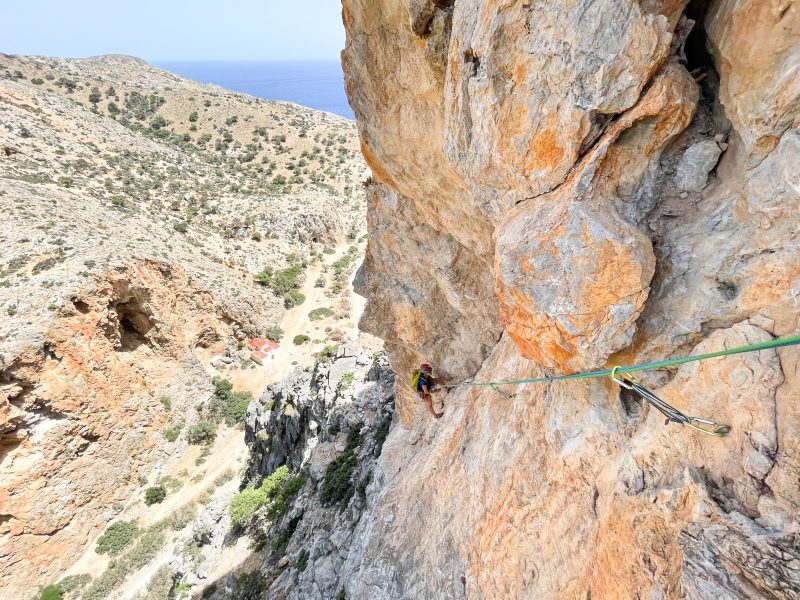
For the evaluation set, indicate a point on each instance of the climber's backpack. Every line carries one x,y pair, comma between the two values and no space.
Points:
415,379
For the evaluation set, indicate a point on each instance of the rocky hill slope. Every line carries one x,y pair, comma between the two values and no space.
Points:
150,226
564,186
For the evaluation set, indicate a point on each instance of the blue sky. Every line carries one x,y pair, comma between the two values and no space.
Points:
163,30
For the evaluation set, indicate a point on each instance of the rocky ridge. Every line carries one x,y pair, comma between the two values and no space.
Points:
336,413
561,187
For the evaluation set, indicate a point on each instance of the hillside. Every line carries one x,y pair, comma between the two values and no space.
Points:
148,234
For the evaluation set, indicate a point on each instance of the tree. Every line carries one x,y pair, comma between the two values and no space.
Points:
202,432
116,537
155,495
52,592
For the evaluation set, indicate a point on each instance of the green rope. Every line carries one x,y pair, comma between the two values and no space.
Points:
777,343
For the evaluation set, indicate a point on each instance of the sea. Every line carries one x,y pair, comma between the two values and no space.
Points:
316,84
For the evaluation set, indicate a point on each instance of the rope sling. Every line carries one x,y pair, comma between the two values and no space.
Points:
672,414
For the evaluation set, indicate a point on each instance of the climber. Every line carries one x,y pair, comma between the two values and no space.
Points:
425,383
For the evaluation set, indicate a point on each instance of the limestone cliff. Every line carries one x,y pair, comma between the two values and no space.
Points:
561,186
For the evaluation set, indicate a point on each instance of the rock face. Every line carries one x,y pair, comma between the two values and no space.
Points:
82,415
565,186
338,410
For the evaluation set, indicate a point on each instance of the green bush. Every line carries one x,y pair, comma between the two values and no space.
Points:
180,226
381,432
227,405
327,354
345,383
159,123
293,298
302,560
75,582
202,432
116,537
274,333
286,280
52,592
149,544
173,433
95,96
245,504
283,497
276,492
250,586
155,495
264,277
193,116
337,486
320,313
362,487
301,339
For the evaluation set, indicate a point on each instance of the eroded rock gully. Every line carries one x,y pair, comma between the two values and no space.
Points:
92,388
560,186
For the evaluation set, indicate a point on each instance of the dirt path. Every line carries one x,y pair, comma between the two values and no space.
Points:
296,322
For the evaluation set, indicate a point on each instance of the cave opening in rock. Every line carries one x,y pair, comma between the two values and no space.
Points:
696,49
134,325
632,406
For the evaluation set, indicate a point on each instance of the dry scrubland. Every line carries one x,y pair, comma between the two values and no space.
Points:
150,225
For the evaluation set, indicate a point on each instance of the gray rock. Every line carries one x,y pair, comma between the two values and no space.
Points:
695,165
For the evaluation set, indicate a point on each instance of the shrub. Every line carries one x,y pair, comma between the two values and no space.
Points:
286,280
95,96
302,560
155,495
320,313
180,226
52,592
173,433
301,339
337,486
345,382
202,432
116,537
146,548
274,333
293,298
381,432
265,277
327,354
167,402
288,489
245,504
193,116
159,122
250,586
362,487
75,582
276,491
227,405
